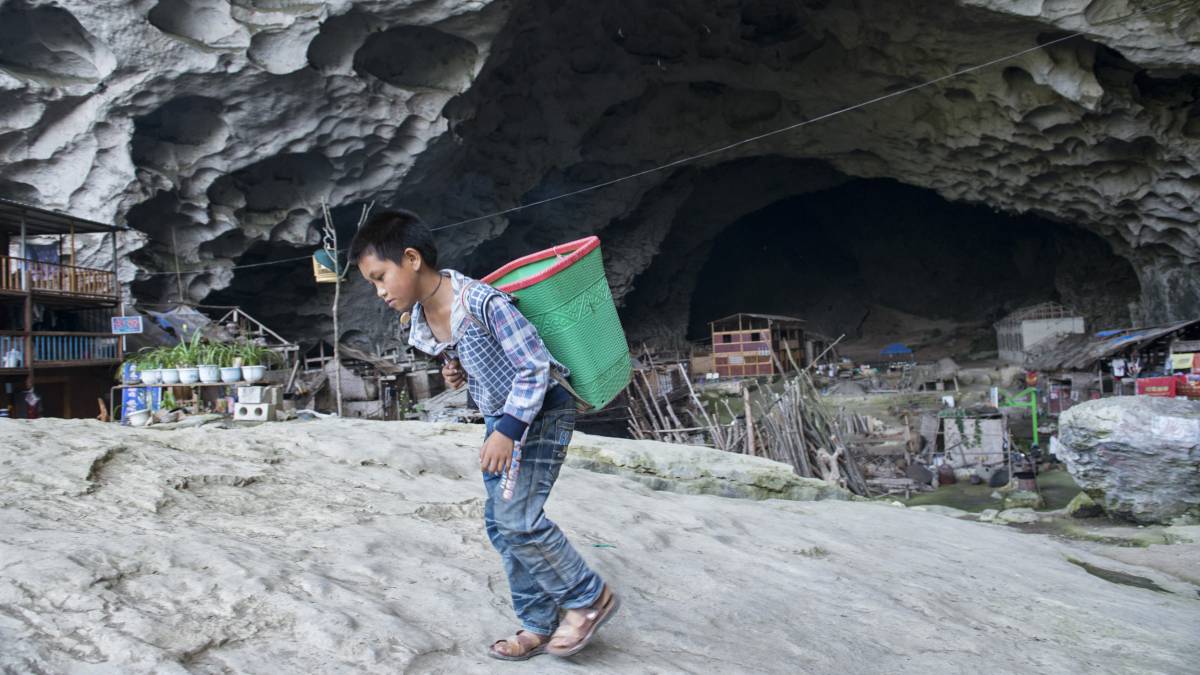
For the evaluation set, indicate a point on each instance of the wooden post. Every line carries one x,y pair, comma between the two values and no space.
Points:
178,274
73,289
331,247
27,286
749,423
116,277
61,285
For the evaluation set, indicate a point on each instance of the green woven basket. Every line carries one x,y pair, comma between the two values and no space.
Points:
564,293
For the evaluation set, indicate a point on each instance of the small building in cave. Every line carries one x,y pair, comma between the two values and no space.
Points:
1159,360
751,345
1026,327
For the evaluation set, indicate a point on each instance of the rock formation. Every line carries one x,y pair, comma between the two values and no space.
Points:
1137,456
216,129
357,546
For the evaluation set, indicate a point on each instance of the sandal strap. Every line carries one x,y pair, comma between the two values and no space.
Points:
523,647
573,623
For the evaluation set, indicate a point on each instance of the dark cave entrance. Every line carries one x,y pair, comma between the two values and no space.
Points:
878,261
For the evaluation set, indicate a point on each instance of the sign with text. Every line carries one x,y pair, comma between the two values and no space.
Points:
1157,386
126,325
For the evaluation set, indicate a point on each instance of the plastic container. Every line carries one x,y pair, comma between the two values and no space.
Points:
564,293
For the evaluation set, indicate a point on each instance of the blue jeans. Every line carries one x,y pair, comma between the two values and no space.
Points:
545,573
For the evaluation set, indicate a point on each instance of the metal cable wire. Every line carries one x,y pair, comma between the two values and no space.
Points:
729,146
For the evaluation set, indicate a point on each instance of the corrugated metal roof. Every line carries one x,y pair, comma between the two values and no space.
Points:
1081,351
44,221
769,317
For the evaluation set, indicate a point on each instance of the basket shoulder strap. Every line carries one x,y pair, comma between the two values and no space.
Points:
467,298
474,303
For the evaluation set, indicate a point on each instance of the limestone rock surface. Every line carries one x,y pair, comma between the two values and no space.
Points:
1138,456
352,546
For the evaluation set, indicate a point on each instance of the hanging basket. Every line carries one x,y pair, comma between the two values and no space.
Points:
324,269
565,295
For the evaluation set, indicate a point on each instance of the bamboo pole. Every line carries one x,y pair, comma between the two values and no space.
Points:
718,437
750,449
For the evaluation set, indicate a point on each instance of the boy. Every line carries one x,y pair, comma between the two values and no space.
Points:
488,344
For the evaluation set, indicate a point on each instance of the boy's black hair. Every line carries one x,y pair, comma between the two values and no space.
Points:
387,235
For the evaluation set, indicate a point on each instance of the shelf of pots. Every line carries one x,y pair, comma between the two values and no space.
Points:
199,361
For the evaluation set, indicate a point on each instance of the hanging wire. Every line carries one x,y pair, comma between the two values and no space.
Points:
792,127
730,146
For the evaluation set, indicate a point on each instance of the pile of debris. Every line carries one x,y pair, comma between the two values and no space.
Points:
795,427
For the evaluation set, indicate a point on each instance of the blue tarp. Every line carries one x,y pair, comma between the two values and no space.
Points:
896,349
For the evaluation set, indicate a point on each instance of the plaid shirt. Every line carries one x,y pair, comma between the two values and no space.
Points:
507,364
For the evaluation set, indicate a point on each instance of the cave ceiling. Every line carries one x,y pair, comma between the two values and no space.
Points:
216,129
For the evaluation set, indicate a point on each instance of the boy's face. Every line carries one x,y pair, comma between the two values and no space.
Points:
395,283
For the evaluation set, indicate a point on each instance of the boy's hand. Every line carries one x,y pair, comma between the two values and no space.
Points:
453,373
496,454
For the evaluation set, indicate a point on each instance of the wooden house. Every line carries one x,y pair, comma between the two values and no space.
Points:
750,345
55,316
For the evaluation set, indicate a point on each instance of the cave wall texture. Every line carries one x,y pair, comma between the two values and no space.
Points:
216,128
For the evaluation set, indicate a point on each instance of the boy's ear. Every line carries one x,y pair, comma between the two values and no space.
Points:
414,259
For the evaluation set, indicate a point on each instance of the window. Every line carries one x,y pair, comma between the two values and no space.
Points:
756,337
726,338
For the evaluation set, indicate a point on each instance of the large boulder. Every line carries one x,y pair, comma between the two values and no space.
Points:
1138,456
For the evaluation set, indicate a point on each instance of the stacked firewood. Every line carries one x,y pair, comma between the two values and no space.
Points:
654,417
799,429
796,428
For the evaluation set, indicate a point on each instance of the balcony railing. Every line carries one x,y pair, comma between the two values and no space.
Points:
74,347
51,348
47,277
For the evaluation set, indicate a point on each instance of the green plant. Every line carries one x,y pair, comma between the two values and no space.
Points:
188,353
214,354
226,354
166,357
257,355
151,360
143,359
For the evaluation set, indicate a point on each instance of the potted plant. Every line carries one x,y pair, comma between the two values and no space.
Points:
186,358
209,357
231,364
255,359
169,373
149,364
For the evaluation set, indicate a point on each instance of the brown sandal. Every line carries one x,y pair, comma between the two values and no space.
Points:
577,627
525,649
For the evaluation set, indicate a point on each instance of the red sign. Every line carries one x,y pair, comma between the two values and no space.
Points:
1157,386
1189,386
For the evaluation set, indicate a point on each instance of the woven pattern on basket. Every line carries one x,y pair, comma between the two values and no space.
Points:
577,319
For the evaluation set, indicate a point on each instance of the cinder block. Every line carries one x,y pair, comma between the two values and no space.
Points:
251,395
254,412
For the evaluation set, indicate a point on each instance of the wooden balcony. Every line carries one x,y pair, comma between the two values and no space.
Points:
21,276
57,350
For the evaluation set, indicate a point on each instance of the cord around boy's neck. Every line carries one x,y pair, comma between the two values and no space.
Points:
435,290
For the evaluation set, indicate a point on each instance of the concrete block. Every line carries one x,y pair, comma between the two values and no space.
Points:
254,412
251,394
